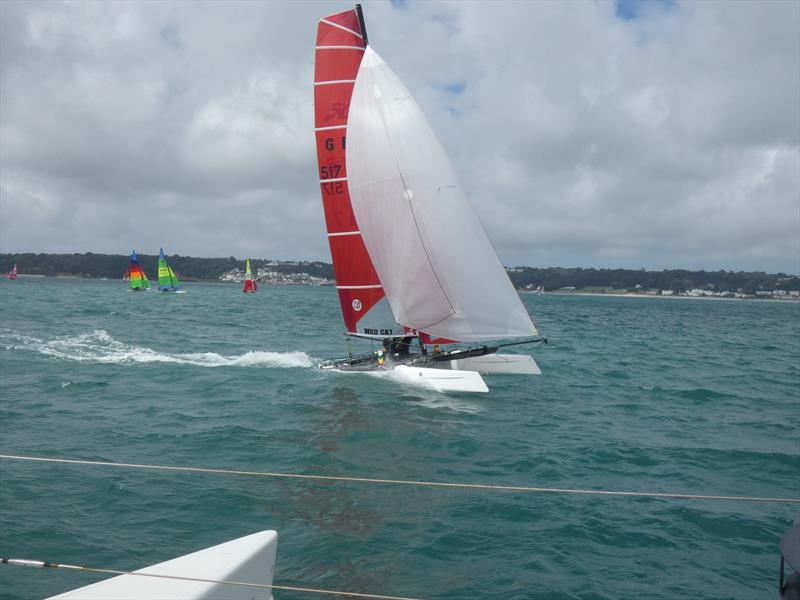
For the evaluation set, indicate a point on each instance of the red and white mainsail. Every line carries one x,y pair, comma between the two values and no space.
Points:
399,222
339,49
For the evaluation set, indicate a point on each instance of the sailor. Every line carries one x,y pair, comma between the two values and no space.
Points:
437,349
402,347
381,359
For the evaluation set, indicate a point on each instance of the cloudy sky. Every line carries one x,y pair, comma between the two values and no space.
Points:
609,134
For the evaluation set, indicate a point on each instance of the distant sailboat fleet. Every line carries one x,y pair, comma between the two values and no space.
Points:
168,281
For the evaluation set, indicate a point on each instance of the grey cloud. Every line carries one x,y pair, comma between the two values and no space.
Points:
671,140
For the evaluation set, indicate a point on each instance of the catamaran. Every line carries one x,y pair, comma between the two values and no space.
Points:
250,284
167,281
12,274
137,280
412,261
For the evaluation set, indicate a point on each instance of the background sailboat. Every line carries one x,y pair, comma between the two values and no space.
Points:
250,284
137,280
167,281
402,232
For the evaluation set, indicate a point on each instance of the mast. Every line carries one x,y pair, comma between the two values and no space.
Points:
361,24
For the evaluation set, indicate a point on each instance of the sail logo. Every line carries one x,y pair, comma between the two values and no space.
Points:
356,305
369,331
338,110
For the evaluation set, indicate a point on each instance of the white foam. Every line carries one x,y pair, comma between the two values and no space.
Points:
99,347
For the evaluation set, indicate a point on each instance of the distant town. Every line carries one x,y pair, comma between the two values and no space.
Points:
268,274
666,283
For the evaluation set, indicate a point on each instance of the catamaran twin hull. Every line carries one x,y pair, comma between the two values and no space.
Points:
441,372
397,217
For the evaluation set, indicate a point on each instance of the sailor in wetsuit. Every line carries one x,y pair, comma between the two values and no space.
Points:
402,347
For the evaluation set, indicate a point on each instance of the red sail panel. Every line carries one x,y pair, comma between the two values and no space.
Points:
331,158
427,339
339,49
347,62
333,27
331,100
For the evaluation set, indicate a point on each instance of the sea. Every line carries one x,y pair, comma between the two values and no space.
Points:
636,394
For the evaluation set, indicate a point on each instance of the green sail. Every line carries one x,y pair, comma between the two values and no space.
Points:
166,276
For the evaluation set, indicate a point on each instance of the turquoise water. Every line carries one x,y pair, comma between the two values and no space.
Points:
636,394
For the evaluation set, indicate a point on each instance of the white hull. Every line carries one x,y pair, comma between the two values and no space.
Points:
249,559
509,364
443,380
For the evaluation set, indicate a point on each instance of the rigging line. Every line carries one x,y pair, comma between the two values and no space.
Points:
41,564
437,484
534,341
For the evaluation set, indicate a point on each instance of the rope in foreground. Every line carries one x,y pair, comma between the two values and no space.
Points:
21,562
434,484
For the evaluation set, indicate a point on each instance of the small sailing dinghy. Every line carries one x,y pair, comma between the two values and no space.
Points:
167,282
12,274
249,559
137,280
250,285
412,261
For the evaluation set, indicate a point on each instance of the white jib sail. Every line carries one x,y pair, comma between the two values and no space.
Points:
439,270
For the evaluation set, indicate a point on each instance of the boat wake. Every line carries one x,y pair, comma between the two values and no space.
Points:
99,347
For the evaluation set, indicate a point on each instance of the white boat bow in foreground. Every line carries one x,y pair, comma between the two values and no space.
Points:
249,559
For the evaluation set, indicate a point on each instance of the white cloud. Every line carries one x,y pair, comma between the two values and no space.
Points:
670,140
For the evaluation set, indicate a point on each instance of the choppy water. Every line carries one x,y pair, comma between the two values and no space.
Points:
636,394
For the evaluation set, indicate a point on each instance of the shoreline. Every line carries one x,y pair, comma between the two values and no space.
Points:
673,297
790,299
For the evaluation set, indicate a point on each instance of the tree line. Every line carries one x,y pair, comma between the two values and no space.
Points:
678,280
113,266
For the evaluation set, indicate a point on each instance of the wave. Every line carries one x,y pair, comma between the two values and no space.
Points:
99,347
